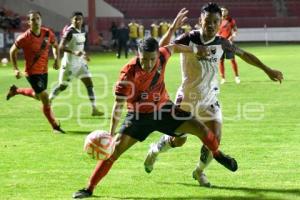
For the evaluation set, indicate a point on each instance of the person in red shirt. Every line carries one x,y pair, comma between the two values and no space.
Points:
141,84
228,30
35,43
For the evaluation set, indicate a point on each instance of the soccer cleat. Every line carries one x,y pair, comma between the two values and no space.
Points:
57,129
83,193
237,80
12,92
150,159
96,112
201,178
223,81
226,161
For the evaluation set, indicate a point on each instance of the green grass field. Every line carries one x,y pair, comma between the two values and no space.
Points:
261,130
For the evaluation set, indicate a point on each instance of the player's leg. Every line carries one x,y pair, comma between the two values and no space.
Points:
165,143
206,155
222,68
197,128
235,70
123,142
64,77
39,84
87,81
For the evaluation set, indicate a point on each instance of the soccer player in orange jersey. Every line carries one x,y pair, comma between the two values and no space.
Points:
35,43
228,30
141,84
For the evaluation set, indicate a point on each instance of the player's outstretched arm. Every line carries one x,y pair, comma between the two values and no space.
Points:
116,113
177,23
251,59
13,53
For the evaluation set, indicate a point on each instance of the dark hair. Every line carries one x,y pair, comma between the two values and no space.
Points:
33,12
150,45
76,13
211,8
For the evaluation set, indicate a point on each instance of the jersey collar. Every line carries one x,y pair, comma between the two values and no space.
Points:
202,40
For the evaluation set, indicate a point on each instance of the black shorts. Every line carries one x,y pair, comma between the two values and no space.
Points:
38,82
140,125
227,55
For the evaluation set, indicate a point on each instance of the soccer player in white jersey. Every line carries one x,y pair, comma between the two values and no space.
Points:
74,61
199,89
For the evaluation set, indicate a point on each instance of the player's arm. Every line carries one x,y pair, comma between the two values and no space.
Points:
233,33
116,113
13,53
56,55
251,59
177,23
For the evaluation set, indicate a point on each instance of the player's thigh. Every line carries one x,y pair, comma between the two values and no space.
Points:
44,97
194,127
65,75
123,142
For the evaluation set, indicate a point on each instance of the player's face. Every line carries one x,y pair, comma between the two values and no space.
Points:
210,23
77,21
224,13
148,60
35,21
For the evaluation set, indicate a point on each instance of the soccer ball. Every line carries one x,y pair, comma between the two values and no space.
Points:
4,61
99,145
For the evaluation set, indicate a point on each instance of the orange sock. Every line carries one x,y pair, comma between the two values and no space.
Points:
101,169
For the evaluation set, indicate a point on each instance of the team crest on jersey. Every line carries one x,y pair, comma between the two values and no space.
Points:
213,50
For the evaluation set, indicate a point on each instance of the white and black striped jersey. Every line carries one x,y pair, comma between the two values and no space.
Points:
200,76
75,42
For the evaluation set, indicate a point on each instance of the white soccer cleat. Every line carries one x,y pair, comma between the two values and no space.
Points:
151,158
223,81
237,80
201,178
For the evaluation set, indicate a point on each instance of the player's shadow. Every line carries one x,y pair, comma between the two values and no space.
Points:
200,197
78,132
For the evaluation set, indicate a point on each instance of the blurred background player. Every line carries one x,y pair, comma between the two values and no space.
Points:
74,61
163,28
141,31
122,38
154,31
133,36
113,29
35,43
228,30
199,89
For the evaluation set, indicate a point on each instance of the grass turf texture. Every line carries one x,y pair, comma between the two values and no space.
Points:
36,164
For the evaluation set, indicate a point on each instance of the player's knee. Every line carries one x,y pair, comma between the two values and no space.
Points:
178,141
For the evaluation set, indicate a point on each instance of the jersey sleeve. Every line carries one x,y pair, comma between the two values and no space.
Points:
20,41
228,46
67,34
183,39
124,84
52,37
165,53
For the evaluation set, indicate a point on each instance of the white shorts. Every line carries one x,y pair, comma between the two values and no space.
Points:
68,72
202,111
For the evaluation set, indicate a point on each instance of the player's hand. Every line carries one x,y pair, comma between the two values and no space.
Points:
275,75
86,57
201,51
56,64
78,53
180,19
18,74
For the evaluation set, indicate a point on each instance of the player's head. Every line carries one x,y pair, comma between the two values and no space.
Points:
224,12
34,20
210,19
77,19
148,53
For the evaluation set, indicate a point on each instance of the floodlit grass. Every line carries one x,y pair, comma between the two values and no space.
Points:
36,164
